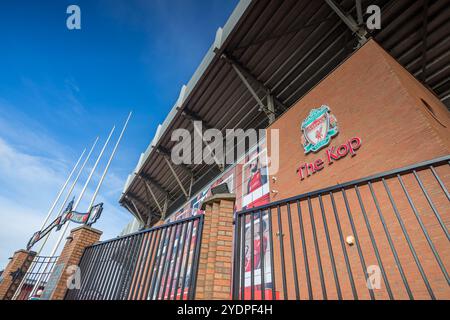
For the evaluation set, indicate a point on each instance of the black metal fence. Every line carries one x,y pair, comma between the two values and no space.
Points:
382,237
160,263
39,271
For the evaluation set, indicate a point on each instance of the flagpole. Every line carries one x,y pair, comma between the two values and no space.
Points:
61,237
109,162
61,209
61,192
59,213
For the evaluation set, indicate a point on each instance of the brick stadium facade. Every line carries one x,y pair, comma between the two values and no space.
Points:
400,123
254,244
373,202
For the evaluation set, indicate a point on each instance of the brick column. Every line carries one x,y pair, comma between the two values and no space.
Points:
19,264
79,239
215,265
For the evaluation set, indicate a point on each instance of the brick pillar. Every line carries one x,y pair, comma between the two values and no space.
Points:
215,265
79,239
19,264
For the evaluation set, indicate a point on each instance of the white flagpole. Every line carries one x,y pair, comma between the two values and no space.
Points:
63,232
61,192
59,213
109,162
61,209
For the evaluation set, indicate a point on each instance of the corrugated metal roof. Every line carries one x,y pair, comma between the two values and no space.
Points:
288,46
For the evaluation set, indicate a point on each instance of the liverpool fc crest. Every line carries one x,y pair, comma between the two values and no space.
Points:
318,129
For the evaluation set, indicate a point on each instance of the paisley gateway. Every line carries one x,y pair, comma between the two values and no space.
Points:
332,154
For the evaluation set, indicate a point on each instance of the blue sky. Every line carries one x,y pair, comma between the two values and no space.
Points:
61,88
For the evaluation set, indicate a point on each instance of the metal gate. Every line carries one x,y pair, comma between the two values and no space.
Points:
385,232
37,274
155,264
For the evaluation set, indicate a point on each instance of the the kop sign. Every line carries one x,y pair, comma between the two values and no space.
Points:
317,131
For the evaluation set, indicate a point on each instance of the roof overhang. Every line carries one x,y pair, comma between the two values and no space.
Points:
285,48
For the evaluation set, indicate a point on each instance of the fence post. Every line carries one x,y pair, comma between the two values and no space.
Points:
14,272
216,250
79,239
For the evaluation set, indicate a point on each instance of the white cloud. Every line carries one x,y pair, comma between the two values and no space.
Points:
31,176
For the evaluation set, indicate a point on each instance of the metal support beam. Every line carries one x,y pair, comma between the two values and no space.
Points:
194,117
359,12
169,164
161,210
360,31
271,107
166,205
245,77
166,155
190,115
142,203
156,185
135,211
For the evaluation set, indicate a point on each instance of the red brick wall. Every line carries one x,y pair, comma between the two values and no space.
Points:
375,99
22,260
215,265
81,238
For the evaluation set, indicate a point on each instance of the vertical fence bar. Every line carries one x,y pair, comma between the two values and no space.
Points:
243,254
430,202
175,260
305,251
111,267
374,244
140,265
408,240
108,271
424,230
344,249
177,281
98,275
236,256
169,262
330,250
159,253
118,275
188,254
149,292
84,261
272,271
138,286
391,243
283,263
143,293
252,255
294,261
262,254
440,182
85,280
316,246
194,271
123,285
162,262
355,235
123,260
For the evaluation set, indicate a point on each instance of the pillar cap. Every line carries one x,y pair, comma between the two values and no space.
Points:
84,227
218,197
25,251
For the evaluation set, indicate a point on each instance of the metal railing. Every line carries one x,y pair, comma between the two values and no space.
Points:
40,268
381,237
160,263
